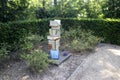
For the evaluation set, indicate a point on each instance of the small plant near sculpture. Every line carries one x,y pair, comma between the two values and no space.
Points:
79,40
36,60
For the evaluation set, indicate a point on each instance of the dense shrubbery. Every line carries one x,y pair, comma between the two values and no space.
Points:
108,29
14,33
79,40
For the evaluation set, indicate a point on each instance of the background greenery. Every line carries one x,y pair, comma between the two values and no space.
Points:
23,20
13,10
14,33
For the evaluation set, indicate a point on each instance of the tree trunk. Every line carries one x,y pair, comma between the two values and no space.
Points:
43,4
55,2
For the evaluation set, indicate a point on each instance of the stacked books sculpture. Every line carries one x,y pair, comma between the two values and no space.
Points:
54,42
54,39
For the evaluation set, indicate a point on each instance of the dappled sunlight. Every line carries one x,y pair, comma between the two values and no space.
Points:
108,64
108,73
108,70
25,77
114,51
100,62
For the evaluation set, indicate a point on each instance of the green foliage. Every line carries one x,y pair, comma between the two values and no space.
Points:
15,33
27,46
93,8
35,38
108,29
111,8
41,13
79,40
13,10
31,41
3,52
69,8
21,35
37,60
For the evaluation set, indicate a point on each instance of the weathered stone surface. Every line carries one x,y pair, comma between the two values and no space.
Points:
55,24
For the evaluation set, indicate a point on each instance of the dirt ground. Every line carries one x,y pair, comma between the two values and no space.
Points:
103,64
19,70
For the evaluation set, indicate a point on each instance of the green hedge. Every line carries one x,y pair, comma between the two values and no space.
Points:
13,33
109,29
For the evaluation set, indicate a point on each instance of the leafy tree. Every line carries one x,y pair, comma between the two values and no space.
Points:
111,8
42,9
78,8
93,8
55,2
13,10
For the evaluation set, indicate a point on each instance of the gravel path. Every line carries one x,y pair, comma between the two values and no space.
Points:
103,64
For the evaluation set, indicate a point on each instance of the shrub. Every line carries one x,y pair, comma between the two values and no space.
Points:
32,42
37,60
3,52
35,38
79,40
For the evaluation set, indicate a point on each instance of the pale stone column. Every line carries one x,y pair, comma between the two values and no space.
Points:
54,35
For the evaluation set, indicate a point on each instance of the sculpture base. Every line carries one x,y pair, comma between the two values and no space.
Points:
63,56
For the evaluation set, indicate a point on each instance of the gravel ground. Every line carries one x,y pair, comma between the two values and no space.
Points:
103,65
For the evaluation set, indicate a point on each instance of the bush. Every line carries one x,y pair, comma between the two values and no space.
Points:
37,60
3,52
79,40
35,38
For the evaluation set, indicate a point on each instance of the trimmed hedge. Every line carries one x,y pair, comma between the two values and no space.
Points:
109,29
15,32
